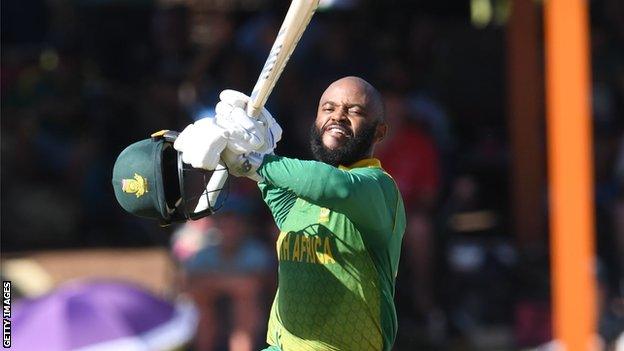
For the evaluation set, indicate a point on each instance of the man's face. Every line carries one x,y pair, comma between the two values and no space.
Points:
346,125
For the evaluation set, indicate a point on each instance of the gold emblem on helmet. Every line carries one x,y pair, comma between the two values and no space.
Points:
137,186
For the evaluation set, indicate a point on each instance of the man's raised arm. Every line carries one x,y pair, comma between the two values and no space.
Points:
360,195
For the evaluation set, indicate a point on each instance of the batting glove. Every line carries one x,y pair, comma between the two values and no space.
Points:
245,133
243,165
201,143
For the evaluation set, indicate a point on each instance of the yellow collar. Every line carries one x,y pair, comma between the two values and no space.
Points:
367,162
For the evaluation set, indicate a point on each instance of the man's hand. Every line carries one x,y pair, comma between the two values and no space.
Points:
201,143
240,140
243,165
245,133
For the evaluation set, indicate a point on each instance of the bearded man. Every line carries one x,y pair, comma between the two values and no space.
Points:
341,218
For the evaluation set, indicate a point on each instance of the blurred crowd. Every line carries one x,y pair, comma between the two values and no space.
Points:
81,80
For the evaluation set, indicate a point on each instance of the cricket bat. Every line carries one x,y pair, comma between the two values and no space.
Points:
297,19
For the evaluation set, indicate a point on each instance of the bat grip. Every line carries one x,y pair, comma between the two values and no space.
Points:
253,111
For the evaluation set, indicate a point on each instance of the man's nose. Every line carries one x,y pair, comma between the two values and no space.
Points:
339,115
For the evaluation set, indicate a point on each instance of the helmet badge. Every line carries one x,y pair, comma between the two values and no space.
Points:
137,186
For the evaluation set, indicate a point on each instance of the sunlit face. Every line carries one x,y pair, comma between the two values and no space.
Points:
347,123
343,110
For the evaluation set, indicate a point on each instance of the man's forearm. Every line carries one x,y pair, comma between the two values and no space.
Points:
311,180
357,193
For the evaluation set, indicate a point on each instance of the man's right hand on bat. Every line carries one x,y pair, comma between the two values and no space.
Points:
246,134
249,138
203,142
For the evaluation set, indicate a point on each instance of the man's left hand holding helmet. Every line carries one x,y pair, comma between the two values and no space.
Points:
240,140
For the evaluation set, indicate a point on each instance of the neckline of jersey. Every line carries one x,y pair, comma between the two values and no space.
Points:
367,162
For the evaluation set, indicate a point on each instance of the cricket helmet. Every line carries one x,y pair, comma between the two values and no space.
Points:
151,181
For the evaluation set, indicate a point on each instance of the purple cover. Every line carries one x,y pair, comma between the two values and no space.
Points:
86,313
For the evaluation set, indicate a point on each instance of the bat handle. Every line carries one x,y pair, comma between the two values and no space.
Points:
252,110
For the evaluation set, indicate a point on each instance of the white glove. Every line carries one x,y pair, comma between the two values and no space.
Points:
201,143
243,165
245,133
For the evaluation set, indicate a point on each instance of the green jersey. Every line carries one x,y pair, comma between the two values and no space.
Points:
338,250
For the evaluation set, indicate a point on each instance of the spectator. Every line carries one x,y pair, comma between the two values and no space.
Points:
409,154
220,259
419,177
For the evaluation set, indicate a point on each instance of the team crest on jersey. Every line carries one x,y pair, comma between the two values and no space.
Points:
324,215
136,186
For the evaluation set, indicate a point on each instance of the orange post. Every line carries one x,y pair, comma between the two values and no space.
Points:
570,173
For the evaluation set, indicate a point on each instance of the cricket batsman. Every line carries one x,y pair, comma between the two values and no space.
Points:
341,217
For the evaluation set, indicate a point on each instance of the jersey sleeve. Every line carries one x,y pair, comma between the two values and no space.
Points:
366,195
280,201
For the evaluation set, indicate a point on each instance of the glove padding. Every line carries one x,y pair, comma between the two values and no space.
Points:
201,143
243,165
245,133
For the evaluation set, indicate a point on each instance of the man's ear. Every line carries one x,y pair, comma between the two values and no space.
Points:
380,131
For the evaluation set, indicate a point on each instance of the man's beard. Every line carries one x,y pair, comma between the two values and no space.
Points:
353,150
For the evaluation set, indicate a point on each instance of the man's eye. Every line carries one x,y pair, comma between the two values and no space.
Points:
355,112
328,109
